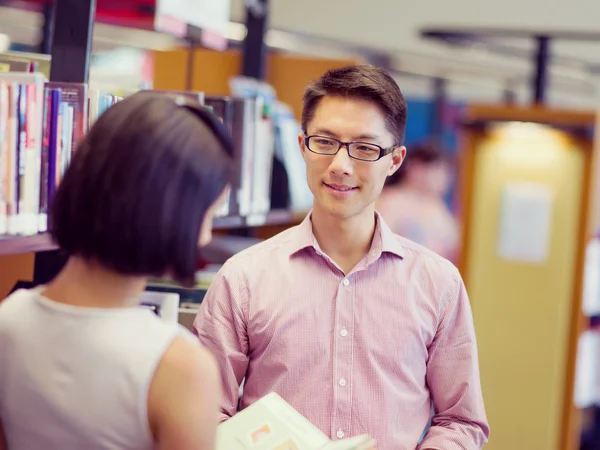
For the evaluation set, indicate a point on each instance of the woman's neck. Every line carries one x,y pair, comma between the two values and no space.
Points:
88,284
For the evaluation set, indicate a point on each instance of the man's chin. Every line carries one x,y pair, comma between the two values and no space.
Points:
339,210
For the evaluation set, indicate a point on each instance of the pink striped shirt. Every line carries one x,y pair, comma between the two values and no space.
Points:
360,353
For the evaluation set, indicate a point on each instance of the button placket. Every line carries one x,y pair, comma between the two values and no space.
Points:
343,365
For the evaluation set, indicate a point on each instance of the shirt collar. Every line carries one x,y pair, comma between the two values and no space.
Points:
389,242
384,240
303,236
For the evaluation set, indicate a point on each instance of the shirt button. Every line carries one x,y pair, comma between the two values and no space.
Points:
346,282
344,332
342,382
340,434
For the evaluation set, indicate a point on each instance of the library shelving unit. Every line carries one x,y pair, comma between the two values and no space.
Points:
10,245
527,199
69,63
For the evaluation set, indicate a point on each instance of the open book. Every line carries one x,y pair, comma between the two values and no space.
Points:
273,424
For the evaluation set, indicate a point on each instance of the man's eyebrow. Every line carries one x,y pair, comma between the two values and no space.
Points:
325,132
361,137
366,137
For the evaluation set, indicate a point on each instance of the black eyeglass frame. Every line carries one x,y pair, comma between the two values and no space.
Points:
382,151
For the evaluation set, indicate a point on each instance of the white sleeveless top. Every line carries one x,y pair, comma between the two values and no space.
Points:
74,378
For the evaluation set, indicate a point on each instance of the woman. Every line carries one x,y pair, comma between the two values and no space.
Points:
413,203
82,366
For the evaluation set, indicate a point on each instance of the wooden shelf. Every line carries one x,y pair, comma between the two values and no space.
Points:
275,217
11,245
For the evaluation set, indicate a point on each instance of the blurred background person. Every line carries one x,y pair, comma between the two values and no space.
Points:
413,202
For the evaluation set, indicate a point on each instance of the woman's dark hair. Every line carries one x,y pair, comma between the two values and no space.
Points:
365,82
139,185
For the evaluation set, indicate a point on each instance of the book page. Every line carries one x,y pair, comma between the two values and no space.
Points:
269,424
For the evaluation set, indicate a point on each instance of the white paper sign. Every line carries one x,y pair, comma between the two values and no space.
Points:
591,279
525,222
586,379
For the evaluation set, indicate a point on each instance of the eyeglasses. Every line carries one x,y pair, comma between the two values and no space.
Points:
362,151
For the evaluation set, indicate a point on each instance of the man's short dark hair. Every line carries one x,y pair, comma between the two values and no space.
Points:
365,82
138,187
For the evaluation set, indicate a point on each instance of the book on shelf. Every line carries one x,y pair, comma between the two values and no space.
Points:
21,117
75,95
252,133
273,424
98,103
42,122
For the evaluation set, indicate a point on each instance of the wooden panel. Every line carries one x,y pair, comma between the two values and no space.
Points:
466,174
170,70
535,114
212,71
14,268
288,74
528,317
572,417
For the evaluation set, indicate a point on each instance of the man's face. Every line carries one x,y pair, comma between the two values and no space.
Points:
342,186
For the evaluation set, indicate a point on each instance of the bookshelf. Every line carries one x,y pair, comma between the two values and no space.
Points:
40,61
12,245
32,251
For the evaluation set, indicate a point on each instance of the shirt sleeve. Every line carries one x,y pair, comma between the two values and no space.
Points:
460,421
221,327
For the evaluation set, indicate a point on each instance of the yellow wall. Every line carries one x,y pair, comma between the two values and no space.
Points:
522,311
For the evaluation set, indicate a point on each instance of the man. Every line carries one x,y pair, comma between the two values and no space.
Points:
413,204
357,328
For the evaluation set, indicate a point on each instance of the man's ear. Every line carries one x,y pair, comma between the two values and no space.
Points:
398,156
301,143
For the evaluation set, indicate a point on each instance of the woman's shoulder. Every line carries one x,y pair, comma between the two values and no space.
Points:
16,302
